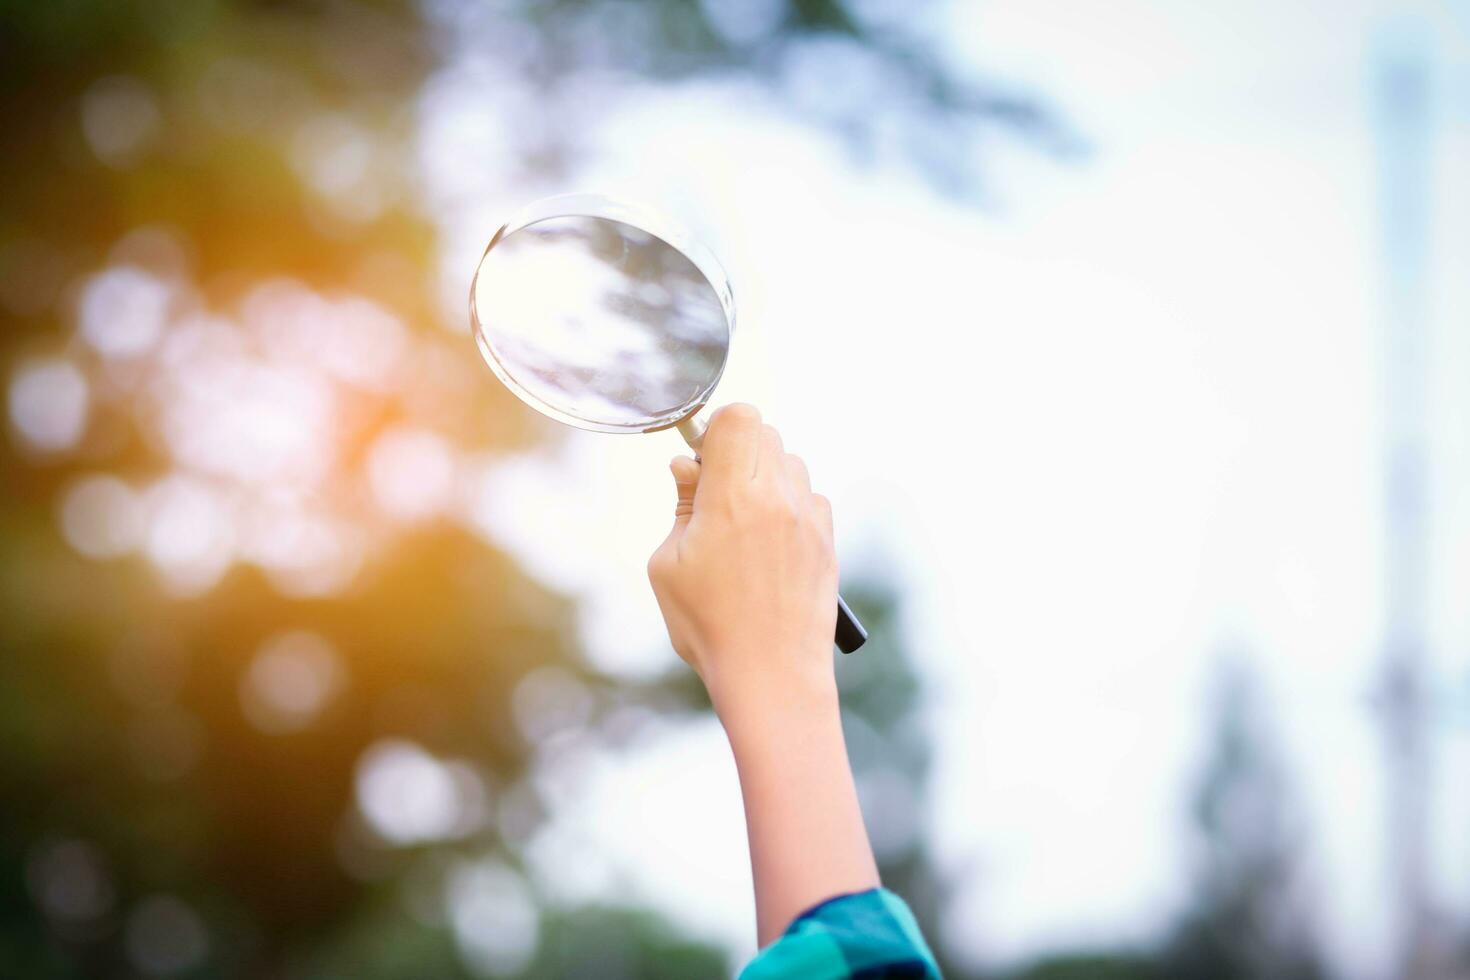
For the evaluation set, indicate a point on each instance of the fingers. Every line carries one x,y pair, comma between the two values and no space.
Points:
770,461
686,481
823,507
731,446
797,475
739,449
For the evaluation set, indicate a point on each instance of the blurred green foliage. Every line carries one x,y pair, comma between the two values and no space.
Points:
128,770
1094,966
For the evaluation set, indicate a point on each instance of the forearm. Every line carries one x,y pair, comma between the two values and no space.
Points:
807,839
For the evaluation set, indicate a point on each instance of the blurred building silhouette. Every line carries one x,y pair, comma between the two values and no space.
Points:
1402,112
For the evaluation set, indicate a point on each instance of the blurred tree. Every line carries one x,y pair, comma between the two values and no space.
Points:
883,722
1250,920
259,670
1095,966
869,70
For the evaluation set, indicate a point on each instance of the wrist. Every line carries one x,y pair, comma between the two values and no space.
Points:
764,701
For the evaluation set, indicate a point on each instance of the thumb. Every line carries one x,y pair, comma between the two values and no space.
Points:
686,480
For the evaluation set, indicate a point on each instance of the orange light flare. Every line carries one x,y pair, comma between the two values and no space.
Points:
299,431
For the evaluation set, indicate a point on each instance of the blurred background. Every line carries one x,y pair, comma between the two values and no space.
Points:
1130,341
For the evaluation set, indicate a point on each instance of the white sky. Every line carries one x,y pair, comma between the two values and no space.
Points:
1127,420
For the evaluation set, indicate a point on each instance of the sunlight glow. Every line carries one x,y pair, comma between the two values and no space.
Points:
412,472
262,411
346,337
305,552
233,415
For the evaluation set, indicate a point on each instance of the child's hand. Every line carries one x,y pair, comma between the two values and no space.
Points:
747,581
747,578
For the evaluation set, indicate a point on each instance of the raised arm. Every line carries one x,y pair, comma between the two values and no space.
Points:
747,582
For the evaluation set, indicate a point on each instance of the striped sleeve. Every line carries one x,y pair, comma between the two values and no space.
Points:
869,934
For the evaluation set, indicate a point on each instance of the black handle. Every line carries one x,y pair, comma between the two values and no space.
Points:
850,632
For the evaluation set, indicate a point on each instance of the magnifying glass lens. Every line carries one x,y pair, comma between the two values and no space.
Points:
599,322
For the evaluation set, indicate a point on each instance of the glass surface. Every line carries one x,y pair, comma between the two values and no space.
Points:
595,320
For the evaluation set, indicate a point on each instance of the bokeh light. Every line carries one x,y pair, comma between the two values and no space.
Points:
411,472
190,537
102,517
494,917
410,797
549,700
123,311
120,116
292,678
48,402
71,882
165,936
255,411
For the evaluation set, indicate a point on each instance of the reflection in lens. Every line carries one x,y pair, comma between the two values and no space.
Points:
599,320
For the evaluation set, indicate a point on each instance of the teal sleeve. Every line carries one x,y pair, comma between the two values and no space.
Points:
869,934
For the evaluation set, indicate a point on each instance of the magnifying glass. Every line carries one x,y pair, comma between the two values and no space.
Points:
605,317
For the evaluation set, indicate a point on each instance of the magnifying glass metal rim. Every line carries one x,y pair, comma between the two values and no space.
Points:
645,219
